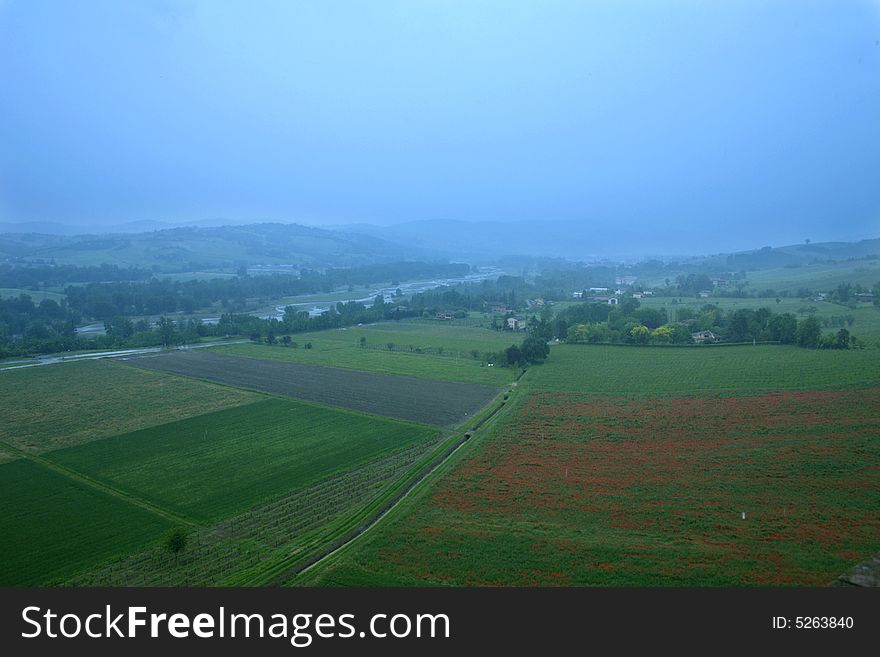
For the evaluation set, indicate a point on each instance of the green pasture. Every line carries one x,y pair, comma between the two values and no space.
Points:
56,406
223,462
52,526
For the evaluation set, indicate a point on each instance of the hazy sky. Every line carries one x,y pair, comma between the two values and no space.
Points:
755,117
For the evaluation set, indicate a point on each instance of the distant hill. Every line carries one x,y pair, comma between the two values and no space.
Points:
799,254
194,248
493,239
600,240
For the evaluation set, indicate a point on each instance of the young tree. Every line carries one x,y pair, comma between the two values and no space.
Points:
175,540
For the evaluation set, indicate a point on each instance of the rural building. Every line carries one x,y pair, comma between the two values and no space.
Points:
704,294
865,296
577,295
443,316
704,336
515,324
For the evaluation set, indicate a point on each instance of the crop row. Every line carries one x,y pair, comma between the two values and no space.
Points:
405,398
243,542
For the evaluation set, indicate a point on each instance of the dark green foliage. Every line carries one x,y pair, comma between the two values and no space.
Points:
809,332
175,539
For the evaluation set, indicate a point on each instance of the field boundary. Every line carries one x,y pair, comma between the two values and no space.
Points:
398,496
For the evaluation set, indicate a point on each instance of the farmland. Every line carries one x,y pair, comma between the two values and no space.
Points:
618,466
36,295
634,371
865,317
242,546
53,407
610,465
405,398
819,276
53,526
424,349
256,479
222,463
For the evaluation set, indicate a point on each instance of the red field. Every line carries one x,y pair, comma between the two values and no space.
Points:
613,491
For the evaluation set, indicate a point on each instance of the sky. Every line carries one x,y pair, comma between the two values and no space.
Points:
757,122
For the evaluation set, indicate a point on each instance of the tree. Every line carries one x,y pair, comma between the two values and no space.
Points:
809,332
662,335
362,343
165,327
843,339
534,349
175,540
513,355
783,328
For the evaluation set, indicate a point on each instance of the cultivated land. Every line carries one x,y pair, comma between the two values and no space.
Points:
407,398
56,406
53,526
865,316
249,548
818,277
633,466
424,349
36,295
711,370
214,465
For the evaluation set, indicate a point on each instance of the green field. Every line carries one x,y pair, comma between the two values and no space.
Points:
642,371
36,295
7,455
56,406
633,466
52,527
819,277
866,324
444,351
221,463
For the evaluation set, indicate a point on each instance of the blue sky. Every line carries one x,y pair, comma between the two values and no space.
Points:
757,117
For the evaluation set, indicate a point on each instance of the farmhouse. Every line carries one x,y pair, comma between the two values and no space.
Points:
515,324
704,336
443,316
